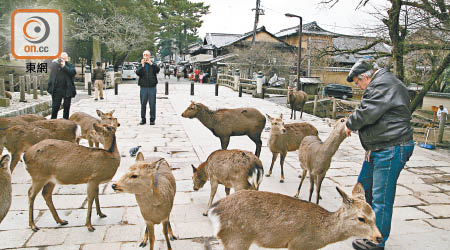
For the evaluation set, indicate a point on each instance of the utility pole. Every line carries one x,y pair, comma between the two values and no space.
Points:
258,12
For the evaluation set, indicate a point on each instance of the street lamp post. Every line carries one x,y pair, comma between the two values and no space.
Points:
299,50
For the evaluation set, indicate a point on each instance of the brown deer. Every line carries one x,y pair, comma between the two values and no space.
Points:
315,156
224,123
19,138
87,121
235,169
274,220
6,122
54,161
154,186
285,138
296,100
5,190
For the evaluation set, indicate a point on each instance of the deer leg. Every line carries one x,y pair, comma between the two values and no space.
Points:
292,111
274,158
172,236
97,206
91,192
227,191
15,157
301,182
97,144
1,150
318,185
91,143
301,114
151,235
311,185
145,239
283,156
214,185
32,192
166,235
47,194
257,140
224,141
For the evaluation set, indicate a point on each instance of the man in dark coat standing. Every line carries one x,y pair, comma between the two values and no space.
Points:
61,85
148,79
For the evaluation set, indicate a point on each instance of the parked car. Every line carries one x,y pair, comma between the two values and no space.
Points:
128,72
338,91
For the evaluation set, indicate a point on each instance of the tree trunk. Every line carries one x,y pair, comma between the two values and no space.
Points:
397,42
434,76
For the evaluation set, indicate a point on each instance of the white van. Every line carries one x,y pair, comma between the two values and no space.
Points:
129,72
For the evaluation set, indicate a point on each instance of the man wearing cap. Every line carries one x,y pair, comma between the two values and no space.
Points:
383,122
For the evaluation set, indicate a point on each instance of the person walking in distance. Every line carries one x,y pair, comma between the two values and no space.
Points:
147,72
383,122
99,77
61,85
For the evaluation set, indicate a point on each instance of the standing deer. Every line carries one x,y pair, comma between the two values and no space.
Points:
315,156
54,161
235,169
286,137
296,100
19,138
154,187
274,220
224,123
5,190
86,122
6,122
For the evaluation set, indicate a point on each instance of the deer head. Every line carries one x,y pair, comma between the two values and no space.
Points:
192,110
140,176
107,118
358,215
277,124
199,178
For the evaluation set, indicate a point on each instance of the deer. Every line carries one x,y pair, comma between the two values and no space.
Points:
17,139
286,138
315,156
6,190
296,100
86,122
273,220
154,187
6,122
224,123
55,161
237,169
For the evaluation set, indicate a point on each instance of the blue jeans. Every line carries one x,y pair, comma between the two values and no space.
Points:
379,179
148,95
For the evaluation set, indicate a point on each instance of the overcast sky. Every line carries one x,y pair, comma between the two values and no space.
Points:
236,16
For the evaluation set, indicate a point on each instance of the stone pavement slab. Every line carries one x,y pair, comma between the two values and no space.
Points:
421,214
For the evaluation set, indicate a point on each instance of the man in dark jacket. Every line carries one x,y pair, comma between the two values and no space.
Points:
98,78
383,122
148,79
60,84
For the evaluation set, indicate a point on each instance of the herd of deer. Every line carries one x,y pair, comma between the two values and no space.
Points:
52,155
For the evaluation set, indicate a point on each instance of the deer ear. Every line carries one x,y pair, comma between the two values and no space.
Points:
140,157
358,192
345,199
99,113
269,117
111,112
193,169
4,161
281,115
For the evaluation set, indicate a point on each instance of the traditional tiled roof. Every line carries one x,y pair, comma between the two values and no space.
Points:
308,28
219,39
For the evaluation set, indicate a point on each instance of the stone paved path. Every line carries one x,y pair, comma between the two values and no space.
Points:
421,215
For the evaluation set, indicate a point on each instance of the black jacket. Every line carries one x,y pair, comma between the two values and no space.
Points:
99,74
69,72
147,78
383,118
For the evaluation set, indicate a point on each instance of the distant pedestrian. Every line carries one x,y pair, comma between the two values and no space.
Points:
147,72
61,85
440,111
383,122
99,78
